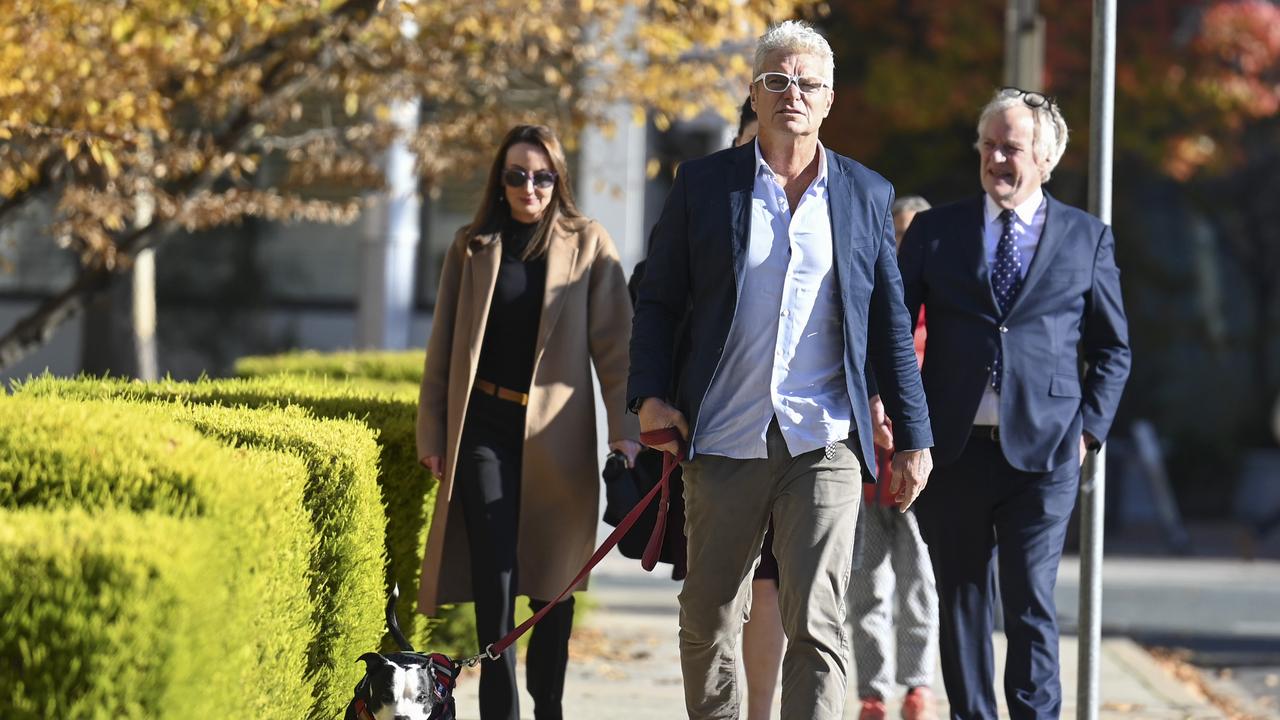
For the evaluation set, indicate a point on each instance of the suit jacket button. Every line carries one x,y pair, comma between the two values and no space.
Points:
1004,329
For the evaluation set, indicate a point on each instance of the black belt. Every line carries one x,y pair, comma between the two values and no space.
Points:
986,432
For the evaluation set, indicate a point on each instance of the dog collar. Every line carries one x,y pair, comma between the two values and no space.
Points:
362,711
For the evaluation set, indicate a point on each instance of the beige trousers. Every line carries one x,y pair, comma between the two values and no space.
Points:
814,502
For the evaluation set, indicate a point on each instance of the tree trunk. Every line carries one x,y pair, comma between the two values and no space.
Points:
143,315
103,350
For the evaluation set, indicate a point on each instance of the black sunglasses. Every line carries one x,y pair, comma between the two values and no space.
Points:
516,178
1030,98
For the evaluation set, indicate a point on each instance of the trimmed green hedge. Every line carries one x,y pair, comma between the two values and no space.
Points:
408,491
143,529
453,630
394,366
345,505
99,620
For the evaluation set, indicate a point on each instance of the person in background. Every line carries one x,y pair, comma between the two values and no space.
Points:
532,295
1022,293
895,604
775,259
905,210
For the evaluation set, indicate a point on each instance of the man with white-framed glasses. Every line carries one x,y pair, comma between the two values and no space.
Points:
775,263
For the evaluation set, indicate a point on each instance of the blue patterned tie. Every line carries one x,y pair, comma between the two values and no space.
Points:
1006,280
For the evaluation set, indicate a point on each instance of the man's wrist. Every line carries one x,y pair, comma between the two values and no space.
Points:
635,405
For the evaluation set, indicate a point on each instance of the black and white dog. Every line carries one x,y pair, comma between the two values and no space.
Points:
407,685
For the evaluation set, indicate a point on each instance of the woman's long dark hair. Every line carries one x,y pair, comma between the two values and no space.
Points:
494,211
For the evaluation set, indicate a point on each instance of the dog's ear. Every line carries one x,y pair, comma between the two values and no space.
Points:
373,660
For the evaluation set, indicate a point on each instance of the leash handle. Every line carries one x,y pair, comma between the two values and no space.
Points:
651,551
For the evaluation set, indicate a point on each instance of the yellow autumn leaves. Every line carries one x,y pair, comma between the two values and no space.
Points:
103,100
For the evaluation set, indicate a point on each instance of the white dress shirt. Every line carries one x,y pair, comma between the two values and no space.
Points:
1028,223
784,355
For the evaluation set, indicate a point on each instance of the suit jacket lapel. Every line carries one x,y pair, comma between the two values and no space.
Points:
486,257
840,208
1055,229
975,249
741,183
562,252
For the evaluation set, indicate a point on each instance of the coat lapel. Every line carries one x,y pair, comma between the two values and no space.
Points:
741,183
562,252
975,250
486,257
839,190
1055,229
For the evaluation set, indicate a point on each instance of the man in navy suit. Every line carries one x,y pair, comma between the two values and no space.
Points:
776,261
1022,292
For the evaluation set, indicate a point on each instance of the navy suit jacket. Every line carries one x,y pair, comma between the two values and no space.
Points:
1068,310
694,272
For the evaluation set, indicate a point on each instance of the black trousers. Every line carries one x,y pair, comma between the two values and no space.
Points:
973,507
488,482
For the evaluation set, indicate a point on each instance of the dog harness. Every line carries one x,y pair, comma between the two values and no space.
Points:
444,677
362,710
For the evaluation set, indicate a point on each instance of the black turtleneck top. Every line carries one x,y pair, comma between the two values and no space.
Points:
515,314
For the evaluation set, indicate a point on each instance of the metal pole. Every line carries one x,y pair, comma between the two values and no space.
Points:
1024,45
385,302
1102,108
1093,483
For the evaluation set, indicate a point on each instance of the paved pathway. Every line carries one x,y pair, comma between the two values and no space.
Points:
625,664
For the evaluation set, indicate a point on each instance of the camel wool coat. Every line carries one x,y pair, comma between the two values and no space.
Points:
586,318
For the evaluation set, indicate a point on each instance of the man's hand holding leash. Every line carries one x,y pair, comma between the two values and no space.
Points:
656,414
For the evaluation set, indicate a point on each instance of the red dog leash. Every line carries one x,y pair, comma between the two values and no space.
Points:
670,462
651,551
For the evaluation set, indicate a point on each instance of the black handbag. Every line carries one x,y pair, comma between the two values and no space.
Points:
624,487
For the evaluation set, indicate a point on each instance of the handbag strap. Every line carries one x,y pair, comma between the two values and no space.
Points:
651,551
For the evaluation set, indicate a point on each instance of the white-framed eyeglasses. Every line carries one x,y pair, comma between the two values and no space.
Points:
779,82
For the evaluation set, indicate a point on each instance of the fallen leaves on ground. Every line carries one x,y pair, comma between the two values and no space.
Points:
1176,662
594,644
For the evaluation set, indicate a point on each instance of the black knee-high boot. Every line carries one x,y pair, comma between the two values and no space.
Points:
548,657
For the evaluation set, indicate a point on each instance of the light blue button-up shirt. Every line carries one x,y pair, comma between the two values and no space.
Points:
784,356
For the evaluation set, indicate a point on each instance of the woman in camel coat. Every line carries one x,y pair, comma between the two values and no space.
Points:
531,296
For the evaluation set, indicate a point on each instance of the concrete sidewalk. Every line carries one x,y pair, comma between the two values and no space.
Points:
625,665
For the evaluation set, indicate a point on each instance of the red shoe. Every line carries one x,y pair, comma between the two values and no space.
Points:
919,705
872,709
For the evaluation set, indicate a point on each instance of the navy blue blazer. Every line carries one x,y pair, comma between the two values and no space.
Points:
1068,310
694,272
